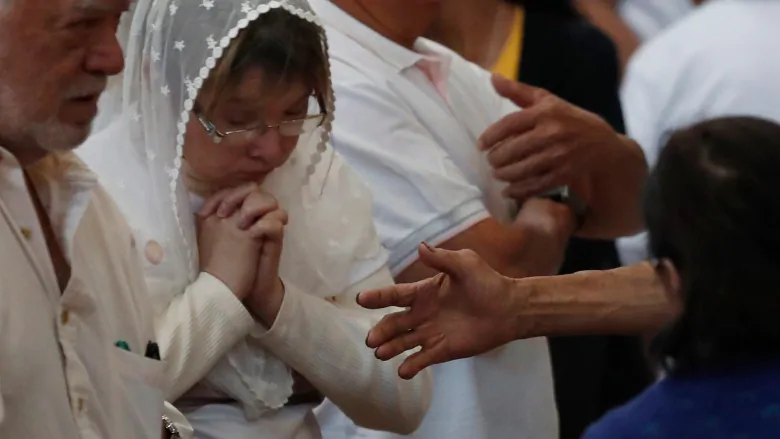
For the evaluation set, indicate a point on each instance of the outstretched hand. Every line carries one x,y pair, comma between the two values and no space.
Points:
462,312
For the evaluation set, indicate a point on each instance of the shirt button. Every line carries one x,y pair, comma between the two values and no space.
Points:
65,317
154,252
27,233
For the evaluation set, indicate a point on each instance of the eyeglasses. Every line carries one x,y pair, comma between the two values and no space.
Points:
287,128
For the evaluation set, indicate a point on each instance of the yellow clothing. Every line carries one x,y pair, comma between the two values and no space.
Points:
508,64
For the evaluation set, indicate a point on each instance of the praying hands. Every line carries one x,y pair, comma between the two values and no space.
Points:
240,242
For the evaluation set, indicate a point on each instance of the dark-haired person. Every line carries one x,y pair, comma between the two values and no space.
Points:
712,213
548,44
714,223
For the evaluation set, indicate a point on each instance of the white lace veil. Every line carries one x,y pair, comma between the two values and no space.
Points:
171,46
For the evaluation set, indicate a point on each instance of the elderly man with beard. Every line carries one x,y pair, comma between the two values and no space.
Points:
77,347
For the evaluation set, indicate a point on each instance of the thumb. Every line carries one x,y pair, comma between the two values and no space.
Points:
444,261
523,95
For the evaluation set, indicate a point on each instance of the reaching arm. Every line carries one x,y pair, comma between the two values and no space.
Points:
629,300
469,309
325,343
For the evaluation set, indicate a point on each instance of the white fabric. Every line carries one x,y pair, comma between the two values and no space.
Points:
330,244
417,152
61,375
167,62
649,18
717,62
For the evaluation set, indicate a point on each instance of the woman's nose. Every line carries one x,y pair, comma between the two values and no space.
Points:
268,146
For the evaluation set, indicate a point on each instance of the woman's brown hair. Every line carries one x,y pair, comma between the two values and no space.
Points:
285,47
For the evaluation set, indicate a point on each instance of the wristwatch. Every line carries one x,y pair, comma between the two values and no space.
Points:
173,432
568,197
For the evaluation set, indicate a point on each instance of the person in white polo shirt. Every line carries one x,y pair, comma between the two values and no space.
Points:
719,61
412,119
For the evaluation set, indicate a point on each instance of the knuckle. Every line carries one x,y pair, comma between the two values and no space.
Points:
469,256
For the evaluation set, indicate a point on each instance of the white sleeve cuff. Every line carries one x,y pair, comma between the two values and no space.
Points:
222,303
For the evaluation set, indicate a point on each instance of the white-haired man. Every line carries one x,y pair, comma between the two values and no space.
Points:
77,352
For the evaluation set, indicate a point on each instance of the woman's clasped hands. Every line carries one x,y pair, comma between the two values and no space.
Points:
240,235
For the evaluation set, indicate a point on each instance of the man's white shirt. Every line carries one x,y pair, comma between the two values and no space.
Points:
648,18
61,373
719,61
414,142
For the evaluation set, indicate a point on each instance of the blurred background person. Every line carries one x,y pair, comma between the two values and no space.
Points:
715,62
648,18
711,210
630,23
548,44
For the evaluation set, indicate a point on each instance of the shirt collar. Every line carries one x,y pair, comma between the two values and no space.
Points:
64,167
396,55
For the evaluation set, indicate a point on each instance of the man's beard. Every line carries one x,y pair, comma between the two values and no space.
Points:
57,137
52,135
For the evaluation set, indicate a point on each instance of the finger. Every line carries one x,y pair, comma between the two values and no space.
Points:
392,326
536,186
267,230
399,345
401,295
418,361
212,202
522,94
530,168
232,201
516,149
257,206
513,124
452,263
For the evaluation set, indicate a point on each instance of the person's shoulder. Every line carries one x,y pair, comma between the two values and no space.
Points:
636,416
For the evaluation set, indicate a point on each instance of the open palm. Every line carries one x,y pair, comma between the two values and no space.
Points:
460,313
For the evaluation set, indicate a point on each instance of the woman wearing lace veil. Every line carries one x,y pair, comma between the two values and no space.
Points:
255,236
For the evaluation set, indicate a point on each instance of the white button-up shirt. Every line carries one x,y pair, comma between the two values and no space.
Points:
719,61
61,373
408,123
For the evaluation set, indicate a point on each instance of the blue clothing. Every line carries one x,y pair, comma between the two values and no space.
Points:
739,403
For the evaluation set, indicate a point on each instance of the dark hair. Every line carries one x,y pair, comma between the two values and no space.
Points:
284,46
712,208
553,7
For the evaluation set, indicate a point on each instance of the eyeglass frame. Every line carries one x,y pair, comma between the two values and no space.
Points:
217,136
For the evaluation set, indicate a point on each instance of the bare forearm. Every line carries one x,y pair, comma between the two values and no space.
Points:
630,300
616,193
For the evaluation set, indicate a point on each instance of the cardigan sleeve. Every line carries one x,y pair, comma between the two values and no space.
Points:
197,329
325,342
